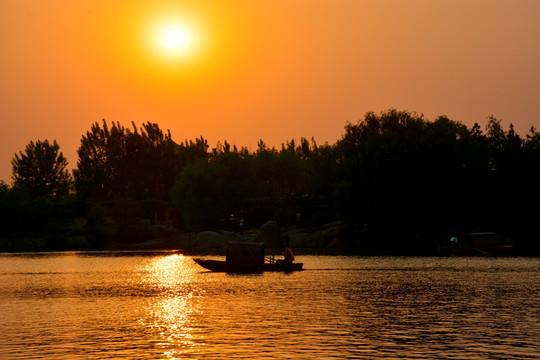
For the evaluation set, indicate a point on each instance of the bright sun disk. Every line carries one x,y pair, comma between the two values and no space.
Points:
176,39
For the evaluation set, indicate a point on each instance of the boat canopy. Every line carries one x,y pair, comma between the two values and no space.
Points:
243,256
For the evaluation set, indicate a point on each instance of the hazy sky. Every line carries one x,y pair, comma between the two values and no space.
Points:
244,70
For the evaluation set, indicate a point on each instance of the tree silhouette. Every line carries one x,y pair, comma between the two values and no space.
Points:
41,170
116,162
398,182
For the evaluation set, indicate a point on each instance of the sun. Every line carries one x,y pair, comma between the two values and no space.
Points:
172,42
176,39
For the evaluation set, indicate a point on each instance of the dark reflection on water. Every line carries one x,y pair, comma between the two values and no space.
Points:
162,305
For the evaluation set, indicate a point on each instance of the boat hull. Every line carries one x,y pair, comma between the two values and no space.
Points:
222,266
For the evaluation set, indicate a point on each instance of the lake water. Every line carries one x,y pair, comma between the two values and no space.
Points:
161,305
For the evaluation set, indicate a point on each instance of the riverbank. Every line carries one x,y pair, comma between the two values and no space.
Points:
329,239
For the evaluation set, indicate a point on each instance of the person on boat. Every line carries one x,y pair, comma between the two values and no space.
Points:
288,255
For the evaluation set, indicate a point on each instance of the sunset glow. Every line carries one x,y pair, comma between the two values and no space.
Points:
270,70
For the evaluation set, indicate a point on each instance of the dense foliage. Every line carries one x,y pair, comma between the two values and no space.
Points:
133,163
407,178
41,170
395,180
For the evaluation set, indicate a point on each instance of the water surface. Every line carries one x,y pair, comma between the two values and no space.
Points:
161,305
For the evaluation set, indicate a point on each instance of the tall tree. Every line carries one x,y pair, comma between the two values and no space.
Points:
399,170
142,163
41,170
101,152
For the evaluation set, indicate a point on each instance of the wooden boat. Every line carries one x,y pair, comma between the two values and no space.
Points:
247,257
223,266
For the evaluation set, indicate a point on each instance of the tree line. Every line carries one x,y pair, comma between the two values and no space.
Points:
396,180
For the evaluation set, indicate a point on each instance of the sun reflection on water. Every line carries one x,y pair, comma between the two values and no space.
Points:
172,316
164,306
168,271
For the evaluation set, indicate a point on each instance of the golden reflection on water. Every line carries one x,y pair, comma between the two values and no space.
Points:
171,270
164,306
170,317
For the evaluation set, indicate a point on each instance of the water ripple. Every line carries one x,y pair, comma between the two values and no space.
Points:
161,305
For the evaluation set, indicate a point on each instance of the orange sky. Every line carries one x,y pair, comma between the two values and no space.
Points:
265,69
